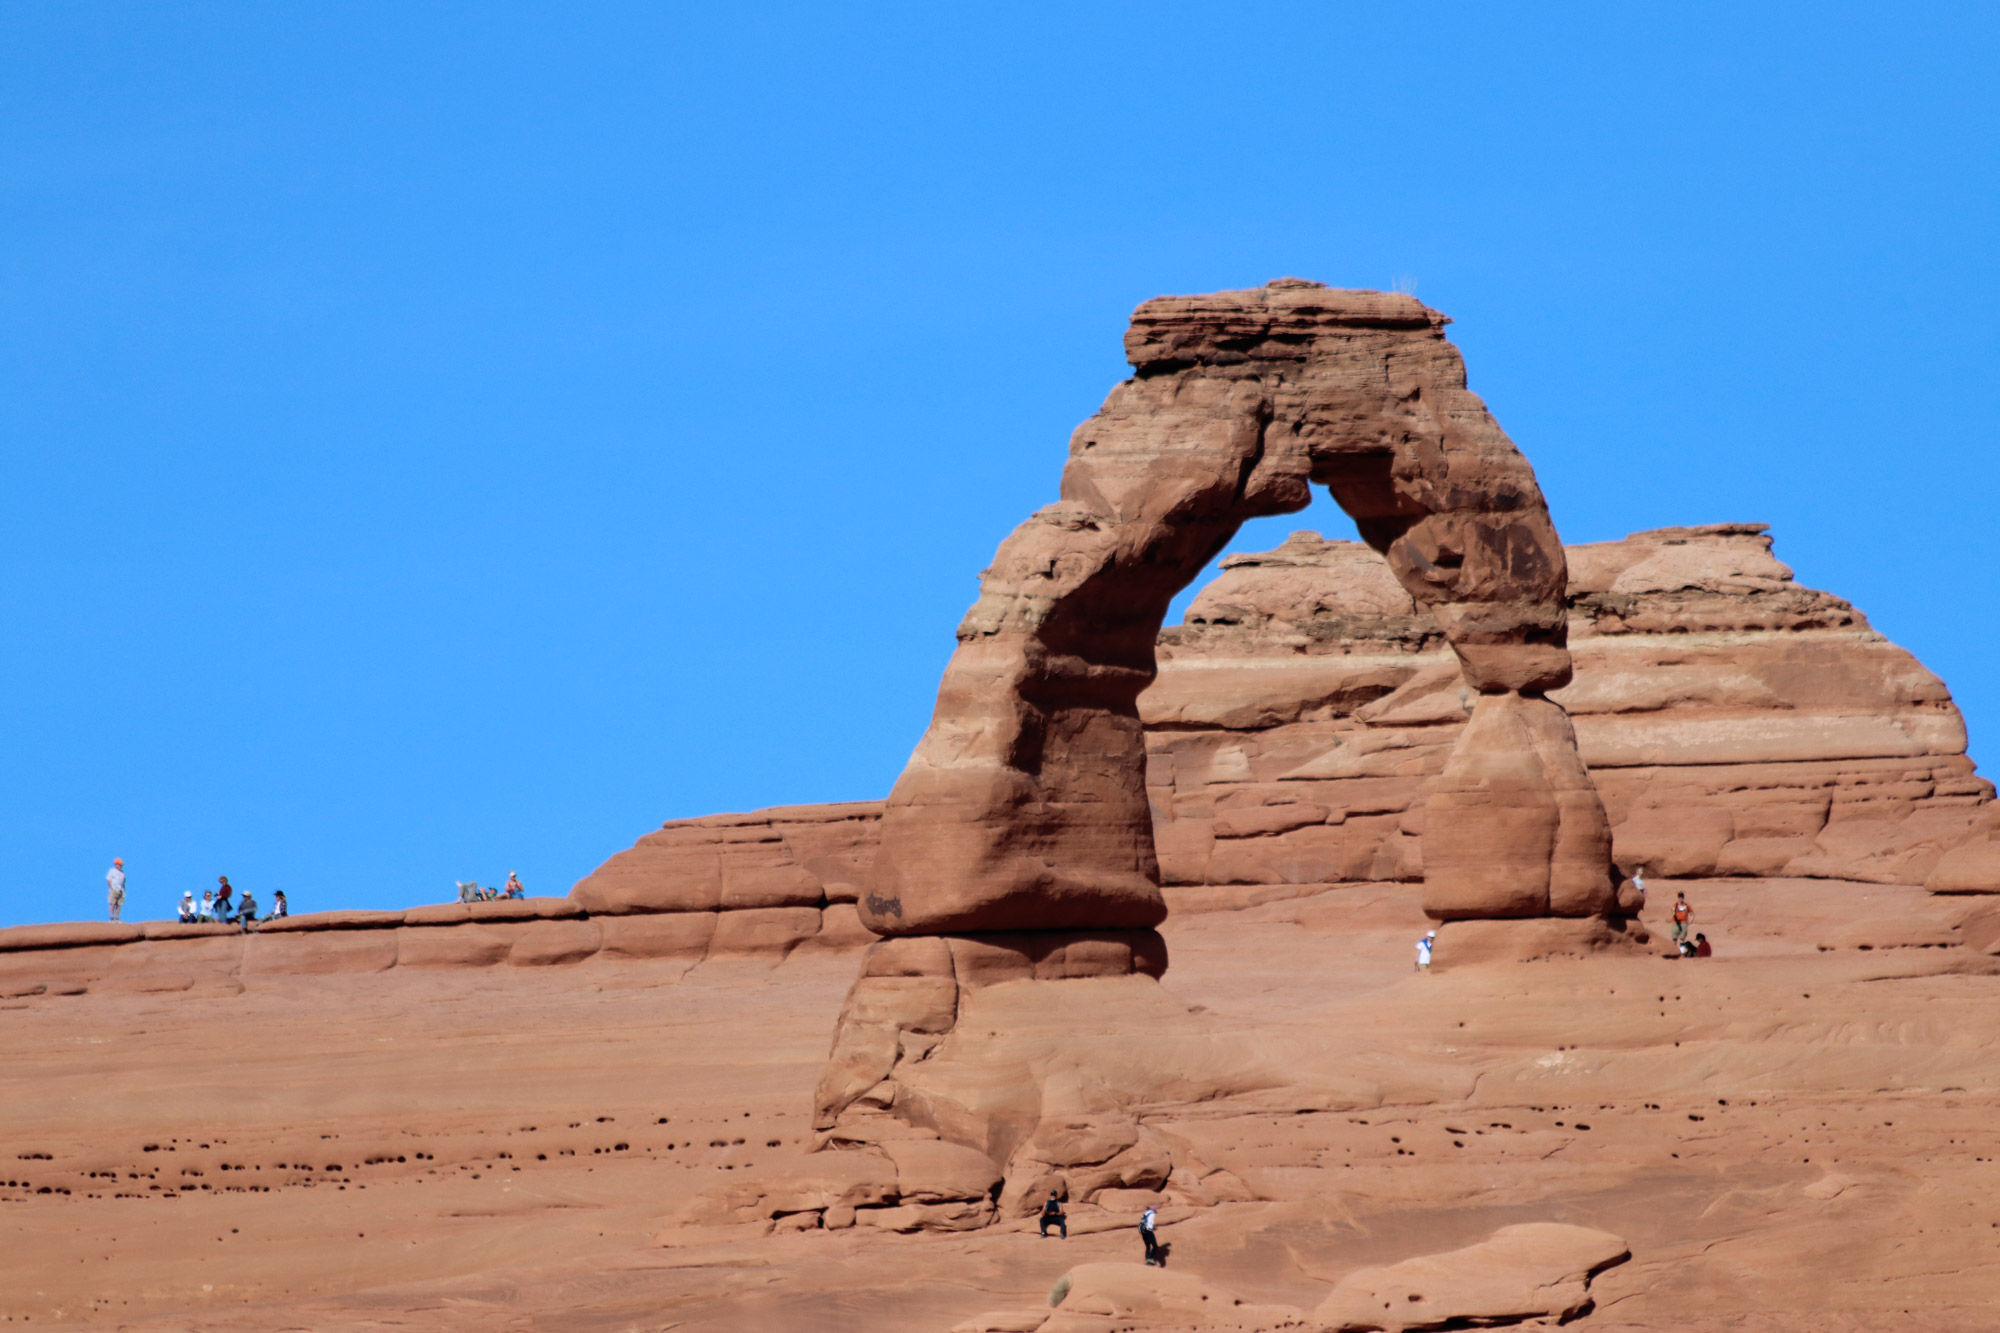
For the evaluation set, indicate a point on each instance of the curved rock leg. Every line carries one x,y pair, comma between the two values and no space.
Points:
1018,845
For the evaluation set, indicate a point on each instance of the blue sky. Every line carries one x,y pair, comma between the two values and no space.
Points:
444,439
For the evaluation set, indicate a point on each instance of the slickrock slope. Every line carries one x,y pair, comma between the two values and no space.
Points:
1792,1137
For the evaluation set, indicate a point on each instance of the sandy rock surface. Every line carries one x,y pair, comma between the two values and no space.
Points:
1793,1135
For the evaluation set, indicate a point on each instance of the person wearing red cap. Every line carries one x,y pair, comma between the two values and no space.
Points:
114,880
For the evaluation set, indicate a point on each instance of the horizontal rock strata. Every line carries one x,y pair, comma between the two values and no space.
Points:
69,957
1734,722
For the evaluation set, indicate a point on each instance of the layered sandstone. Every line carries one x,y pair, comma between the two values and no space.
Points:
1736,722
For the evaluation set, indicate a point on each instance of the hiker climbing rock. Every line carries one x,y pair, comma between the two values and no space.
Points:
1682,915
1154,1255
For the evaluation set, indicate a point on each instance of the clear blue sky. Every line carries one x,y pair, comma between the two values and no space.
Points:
446,439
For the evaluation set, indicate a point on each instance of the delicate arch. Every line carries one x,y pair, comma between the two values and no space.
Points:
1024,806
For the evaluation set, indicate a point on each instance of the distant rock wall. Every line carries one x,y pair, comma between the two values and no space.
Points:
1735,722
162,956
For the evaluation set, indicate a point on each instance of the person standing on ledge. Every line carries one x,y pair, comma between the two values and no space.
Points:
1424,947
1153,1255
1054,1216
1682,915
114,881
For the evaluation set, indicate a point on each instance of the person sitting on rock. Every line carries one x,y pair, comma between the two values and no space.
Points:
246,911
279,907
1153,1254
1701,949
1054,1216
207,912
1682,915
514,889
188,910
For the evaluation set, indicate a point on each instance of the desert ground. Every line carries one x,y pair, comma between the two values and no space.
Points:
1792,1135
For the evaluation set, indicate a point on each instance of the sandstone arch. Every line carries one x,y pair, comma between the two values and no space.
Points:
1024,806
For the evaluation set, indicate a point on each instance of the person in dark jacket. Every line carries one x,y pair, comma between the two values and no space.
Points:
1054,1216
1153,1253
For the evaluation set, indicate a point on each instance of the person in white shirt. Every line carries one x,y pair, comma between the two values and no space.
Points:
114,880
1153,1255
1424,947
207,912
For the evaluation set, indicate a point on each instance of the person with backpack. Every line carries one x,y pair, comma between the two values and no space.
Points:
1682,915
1153,1253
1054,1216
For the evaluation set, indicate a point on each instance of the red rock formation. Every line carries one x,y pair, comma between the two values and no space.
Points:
1018,843
1735,722
1024,806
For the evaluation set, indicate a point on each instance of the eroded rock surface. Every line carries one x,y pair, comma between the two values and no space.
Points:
1734,722
1532,1271
1024,806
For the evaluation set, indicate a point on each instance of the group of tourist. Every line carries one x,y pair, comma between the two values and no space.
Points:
218,905
221,904
1683,916
470,892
